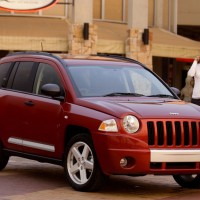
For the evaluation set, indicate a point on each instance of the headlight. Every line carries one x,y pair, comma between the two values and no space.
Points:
131,124
109,125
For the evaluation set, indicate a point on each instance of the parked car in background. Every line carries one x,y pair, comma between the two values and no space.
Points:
96,116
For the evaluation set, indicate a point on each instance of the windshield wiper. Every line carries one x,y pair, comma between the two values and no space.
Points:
123,94
162,96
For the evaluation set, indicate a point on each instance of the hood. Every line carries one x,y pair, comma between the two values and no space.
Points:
144,107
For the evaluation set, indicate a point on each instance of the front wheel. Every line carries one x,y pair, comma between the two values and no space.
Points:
188,180
3,159
81,166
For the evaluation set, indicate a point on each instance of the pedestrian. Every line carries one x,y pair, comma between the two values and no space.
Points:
186,92
194,71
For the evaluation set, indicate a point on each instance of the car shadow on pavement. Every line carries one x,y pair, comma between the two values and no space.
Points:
24,176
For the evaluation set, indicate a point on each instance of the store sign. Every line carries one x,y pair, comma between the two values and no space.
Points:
25,5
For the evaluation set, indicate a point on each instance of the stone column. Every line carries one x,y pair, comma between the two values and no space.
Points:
82,14
136,49
77,44
137,23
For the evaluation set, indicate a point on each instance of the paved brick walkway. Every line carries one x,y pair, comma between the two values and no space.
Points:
23,179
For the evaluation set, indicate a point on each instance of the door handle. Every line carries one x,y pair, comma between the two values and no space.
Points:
29,103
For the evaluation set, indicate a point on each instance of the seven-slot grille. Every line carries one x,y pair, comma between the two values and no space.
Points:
173,133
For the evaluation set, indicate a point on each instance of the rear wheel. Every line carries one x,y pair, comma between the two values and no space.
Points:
81,166
3,159
188,180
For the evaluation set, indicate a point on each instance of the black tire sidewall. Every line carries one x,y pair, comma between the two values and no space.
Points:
195,183
3,159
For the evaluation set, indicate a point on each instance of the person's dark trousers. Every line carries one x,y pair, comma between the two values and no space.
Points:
196,101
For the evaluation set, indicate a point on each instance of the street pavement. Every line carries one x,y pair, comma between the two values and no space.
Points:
30,180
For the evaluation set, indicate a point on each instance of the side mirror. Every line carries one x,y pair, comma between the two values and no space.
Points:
176,91
52,90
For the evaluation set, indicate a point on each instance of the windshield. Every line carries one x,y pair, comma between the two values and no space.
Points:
116,80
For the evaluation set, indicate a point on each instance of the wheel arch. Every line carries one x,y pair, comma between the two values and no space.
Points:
73,130
74,134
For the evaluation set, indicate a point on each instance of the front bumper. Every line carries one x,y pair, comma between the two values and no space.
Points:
112,148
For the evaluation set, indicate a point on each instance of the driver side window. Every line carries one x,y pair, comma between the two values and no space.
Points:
45,74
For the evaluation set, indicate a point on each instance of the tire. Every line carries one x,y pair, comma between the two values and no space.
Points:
188,180
81,167
3,159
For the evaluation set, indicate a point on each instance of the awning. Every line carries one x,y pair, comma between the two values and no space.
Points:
51,34
165,43
33,33
111,37
185,60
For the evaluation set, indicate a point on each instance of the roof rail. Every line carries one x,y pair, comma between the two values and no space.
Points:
29,52
36,53
120,58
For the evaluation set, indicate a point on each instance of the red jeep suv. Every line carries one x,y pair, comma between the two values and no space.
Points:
96,116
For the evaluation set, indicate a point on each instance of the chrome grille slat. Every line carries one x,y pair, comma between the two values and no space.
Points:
173,133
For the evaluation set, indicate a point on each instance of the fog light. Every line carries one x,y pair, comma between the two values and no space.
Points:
123,162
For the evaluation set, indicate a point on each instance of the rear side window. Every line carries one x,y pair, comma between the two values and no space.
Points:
4,71
24,76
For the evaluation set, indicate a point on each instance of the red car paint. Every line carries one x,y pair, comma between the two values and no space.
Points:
40,127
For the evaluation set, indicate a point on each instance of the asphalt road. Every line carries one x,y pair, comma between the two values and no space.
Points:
29,180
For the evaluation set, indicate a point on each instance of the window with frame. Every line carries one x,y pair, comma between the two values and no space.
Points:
23,74
4,71
45,74
112,10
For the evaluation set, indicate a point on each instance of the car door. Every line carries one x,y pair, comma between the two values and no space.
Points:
45,115
14,111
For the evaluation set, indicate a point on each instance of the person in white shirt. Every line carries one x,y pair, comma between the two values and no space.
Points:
194,71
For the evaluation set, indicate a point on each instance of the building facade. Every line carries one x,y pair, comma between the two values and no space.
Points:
114,28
